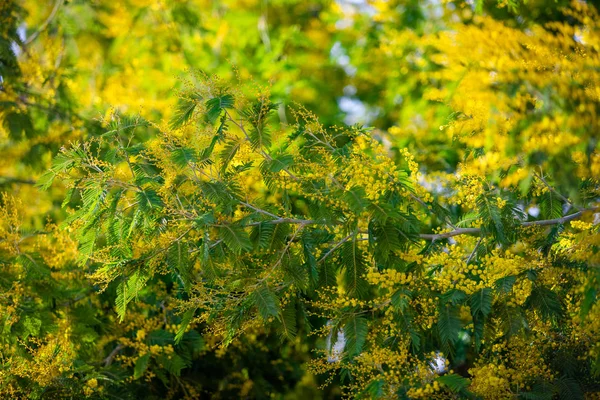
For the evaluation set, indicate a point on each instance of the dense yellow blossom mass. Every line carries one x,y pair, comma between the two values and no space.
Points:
299,199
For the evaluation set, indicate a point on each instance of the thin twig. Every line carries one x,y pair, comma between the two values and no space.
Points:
108,360
553,190
337,246
55,9
474,250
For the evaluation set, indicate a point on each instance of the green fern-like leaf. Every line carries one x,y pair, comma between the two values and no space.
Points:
127,291
266,301
481,302
148,200
183,112
188,316
256,115
455,383
278,236
178,261
385,238
448,326
504,285
356,329
228,153
568,388
236,238
141,365
279,163
539,391
261,235
173,363
216,105
182,156
355,197
354,269
491,214
287,322
550,206
546,302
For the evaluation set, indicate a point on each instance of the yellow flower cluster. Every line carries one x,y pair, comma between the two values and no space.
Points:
374,173
581,225
428,392
388,278
10,222
491,381
518,363
454,272
91,386
51,357
468,188
500,264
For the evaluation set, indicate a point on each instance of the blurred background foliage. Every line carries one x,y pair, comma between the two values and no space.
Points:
424,74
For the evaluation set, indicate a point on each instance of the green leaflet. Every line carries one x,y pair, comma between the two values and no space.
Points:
183,112
179,262
34,266
455,383
236,238
148,200
550,206
492,216
266,301
481,301
160,337
287,322
539,391
568,388
216,105
375,389
262,234
504,285
278,163
141,365
512,320
63,162
354,269
182,156
356,199
127,290
448,327
386,239
228,153
188,316
173,363
546,302
256,115
355,334
124,125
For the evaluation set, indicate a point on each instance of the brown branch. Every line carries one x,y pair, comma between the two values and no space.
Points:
108,360
8,179
476,231
53,13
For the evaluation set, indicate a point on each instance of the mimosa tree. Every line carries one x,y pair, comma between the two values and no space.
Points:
228,242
